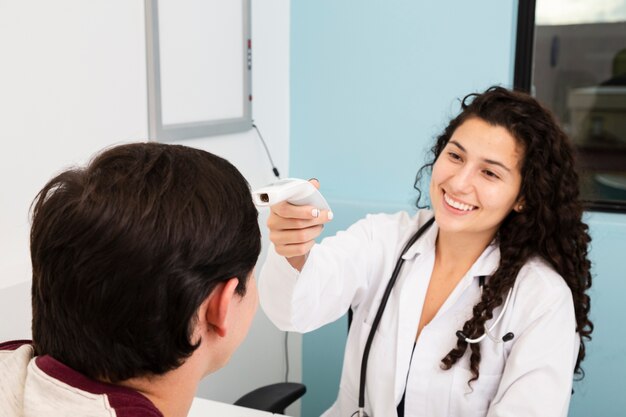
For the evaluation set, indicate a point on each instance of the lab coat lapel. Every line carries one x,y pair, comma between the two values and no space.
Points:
414,281
413,285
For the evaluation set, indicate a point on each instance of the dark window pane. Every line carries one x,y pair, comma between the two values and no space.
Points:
579,72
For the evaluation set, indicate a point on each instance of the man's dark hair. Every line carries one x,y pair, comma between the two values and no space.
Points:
125,250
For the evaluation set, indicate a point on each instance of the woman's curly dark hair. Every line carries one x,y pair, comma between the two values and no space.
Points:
549,226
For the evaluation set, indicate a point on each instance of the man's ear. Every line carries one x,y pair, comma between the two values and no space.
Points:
218,303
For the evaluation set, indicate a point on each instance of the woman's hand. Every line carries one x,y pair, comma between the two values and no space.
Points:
293,229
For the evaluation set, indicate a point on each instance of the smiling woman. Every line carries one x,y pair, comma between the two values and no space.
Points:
476,182
502,253
523,165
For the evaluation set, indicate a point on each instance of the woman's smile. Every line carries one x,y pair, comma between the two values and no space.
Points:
457,206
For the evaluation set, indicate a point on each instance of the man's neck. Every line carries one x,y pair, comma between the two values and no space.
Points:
173,392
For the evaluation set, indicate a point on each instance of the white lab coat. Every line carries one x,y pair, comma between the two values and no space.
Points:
528,376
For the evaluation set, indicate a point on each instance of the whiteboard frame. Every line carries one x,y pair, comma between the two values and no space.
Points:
205,128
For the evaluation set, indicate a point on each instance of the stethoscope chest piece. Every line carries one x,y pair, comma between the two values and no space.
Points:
487,333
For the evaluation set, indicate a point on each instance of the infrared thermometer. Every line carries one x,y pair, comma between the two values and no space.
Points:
293,190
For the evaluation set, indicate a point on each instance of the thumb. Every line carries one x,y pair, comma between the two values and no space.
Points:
315,182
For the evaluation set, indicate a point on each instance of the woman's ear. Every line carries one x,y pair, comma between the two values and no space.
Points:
217,305
519,205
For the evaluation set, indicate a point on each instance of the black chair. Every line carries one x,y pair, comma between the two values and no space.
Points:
272,398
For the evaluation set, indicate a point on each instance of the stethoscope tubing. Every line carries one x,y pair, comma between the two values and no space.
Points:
381,310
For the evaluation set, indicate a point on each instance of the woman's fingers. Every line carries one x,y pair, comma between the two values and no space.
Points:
275,222
293,229
295,236
295,250
287,216
295,225
289,211
315,182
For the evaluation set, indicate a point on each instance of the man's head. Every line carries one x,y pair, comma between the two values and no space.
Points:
127,251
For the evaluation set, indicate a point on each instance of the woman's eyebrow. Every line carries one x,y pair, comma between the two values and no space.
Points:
489,161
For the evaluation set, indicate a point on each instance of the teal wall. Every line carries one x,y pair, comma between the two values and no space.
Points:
373,80
372,83
603,390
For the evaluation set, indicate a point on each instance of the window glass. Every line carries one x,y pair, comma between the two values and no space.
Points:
579,72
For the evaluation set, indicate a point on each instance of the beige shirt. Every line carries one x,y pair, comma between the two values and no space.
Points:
41,386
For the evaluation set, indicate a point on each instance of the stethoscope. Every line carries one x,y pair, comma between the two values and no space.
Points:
459,334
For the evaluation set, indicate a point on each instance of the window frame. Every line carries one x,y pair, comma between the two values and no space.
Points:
522,81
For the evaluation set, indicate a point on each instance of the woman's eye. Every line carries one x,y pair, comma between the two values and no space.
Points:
491,174
454,156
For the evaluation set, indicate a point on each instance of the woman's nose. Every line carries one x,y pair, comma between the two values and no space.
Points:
463,180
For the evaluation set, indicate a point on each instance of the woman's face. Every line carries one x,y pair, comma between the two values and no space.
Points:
477,179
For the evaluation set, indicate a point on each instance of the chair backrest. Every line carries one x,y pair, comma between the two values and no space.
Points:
273,398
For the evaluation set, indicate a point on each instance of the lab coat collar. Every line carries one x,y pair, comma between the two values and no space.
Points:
486,264
424,243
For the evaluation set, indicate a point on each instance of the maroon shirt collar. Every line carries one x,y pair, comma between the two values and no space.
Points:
125,401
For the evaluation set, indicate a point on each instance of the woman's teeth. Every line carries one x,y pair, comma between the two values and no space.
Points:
457,205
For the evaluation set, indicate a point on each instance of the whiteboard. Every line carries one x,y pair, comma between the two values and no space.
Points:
199,67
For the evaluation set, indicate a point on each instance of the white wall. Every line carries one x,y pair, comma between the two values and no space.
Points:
72,81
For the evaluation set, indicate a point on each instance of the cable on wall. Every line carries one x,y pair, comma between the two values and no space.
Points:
274,169
277,175
286,357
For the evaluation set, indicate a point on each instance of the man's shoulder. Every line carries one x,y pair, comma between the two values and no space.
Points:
12,345
53,386
16,353
14,359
